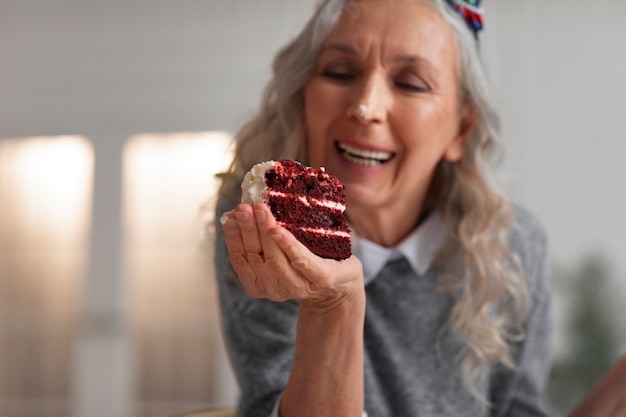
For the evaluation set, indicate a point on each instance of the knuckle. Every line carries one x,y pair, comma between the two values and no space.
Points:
255,260
302,264
275,264
239,261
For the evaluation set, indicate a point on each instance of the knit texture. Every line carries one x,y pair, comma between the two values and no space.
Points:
411,360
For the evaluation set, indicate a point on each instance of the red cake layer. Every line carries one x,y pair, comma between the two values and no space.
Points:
306,201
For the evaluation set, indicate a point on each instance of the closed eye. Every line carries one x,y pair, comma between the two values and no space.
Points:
339,75
412,87
340,70
411,82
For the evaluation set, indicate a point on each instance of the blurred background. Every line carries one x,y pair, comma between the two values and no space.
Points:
114,118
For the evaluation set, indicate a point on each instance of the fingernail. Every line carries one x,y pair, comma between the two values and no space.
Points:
225,218
228,221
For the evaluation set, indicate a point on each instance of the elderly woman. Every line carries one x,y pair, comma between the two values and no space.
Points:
390,97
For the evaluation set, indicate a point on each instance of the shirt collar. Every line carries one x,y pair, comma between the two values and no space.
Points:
418,248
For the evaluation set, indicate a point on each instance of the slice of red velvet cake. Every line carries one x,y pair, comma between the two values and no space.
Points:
306,201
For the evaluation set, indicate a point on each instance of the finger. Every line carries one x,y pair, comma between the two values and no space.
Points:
237,256
310,264
606,398
232,235
275,257
617,383
278,275
619,410
249,234
619,371
298,255
247,276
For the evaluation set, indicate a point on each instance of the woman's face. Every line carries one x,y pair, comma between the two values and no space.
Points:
397,58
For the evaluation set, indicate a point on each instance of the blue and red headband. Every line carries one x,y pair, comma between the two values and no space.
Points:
471,12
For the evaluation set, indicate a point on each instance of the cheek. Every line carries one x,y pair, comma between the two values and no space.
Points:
428,127
320,102
320,110
313,121
312,102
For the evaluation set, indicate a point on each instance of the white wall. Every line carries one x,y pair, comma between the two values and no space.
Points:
558,69
560,74
135,66
108,70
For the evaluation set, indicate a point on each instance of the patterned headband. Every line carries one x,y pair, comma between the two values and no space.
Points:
471,12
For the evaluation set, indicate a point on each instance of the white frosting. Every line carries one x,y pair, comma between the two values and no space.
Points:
254,190
253,185
320,231
307,201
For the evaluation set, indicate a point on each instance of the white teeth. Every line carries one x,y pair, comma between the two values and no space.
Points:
361,161
364,157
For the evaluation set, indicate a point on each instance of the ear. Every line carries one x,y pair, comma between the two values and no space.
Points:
469,120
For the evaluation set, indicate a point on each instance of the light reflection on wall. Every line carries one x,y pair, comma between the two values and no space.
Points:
45,214
166,180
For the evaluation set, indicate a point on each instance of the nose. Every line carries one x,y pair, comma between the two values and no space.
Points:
369,102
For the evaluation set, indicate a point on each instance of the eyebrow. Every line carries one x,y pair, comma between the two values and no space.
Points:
413,59
353,51
341,47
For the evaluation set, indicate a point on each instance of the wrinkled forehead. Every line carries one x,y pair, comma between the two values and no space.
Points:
397,28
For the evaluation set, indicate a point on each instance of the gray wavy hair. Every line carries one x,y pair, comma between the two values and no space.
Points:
479,269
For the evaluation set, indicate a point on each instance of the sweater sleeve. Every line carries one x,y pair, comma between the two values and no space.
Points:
259,334
519,393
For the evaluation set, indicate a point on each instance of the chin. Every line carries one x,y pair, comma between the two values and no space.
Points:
360,198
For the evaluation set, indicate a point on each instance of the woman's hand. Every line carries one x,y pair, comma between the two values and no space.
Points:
271,263
608,396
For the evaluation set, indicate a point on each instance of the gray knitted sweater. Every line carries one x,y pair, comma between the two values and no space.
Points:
411,361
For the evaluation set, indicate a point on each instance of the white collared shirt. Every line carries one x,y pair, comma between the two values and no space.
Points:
418,248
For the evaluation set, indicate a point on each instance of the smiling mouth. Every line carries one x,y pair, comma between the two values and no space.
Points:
363,157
